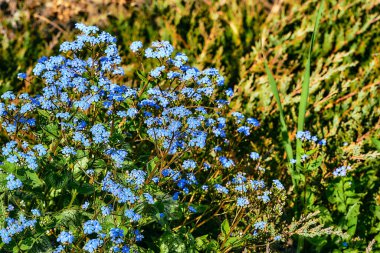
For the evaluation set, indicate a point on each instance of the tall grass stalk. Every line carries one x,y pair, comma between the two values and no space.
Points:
303,106
305,88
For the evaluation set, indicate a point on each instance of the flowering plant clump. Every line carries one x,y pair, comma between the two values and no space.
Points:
91,165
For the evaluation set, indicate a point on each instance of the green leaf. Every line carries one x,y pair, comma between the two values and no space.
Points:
81,163
213,246
352,218
44,113
141,76
68,217
376,143
152,164
170,242
27,244
52,131
86,189
233,242
37,182
315,164
309,197
201,242
225,228
9,167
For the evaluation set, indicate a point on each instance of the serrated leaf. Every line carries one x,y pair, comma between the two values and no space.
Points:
37,182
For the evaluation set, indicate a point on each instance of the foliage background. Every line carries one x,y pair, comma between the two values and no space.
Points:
236,36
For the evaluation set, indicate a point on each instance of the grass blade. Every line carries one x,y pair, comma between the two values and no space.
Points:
284,128
302,108
305,87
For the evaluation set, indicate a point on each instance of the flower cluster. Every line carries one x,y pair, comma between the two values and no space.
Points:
127,157
306,136
341,171
14,227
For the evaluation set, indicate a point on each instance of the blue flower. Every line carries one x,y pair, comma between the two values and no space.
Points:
8,95
10,208
68,151
341,171
303,135
149,198
106,210
239,178
21,75
13,183
242,202
244,130
254,156
159,49
322,142
15,227
189,164
265,197
254,122
137,178
179,60
85,205
63,115
118,156
129,213
90,172
116,235
125,249
229,92
59,249
192,209
100,134
304,157
91,226
173,74
176,195
122,194
278,184
260,225
221,189
36,212
65,237
138,235
86,29
257,184
41,150
157,71
136,46
226,163
92,245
